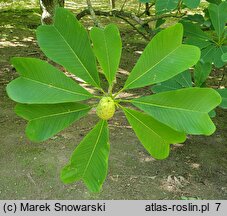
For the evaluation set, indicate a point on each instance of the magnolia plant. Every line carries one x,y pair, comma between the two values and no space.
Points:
51,101
213,45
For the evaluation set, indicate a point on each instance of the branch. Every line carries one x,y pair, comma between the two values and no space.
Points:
92,13
154,18
126,16
119,14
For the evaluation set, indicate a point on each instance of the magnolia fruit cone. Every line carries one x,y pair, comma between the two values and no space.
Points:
106,108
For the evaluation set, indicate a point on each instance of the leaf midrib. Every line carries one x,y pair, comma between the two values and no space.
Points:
169,107
58,114
95,146
151,68
108,59
147,126
55,87
75,55
185,81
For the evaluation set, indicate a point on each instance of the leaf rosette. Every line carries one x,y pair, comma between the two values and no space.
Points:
51,101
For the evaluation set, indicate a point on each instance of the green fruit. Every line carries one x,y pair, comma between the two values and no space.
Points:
106,108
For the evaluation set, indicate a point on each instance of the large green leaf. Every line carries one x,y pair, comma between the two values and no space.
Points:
192,3
218,62
201,43
223,93
193,30
107,47
164,57
213,54
184,110
215,1
163,6
224,57
47,120
182,80
201,73
67,43
89,161
218,16
154,135
41,83
207,54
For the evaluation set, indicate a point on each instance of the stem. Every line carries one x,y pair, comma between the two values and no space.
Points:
122,7
92,12
100,89
125,101
116,94
96,96
179,7
139,8
110,89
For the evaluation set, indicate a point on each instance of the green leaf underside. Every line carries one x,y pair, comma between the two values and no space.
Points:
223,93
89,161
218,16
41,83
182,80
193,30
201,73
163,58
213,54
201,43
163,6
218,62
67,43
47,120
192,3
155,136
184,110
107,47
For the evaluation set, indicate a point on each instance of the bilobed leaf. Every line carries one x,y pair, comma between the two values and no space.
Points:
107,47
155,136
67,43
47,120
163,58
223,93
191,3
89,161
163,6
218,16
182,80
201,73
184,110
41,83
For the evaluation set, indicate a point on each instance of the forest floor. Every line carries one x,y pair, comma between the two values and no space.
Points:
197,169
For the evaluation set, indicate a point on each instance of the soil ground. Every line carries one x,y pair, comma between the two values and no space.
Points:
197,169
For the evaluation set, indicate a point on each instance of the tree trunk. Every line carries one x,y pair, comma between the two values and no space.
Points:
112,4
48,8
